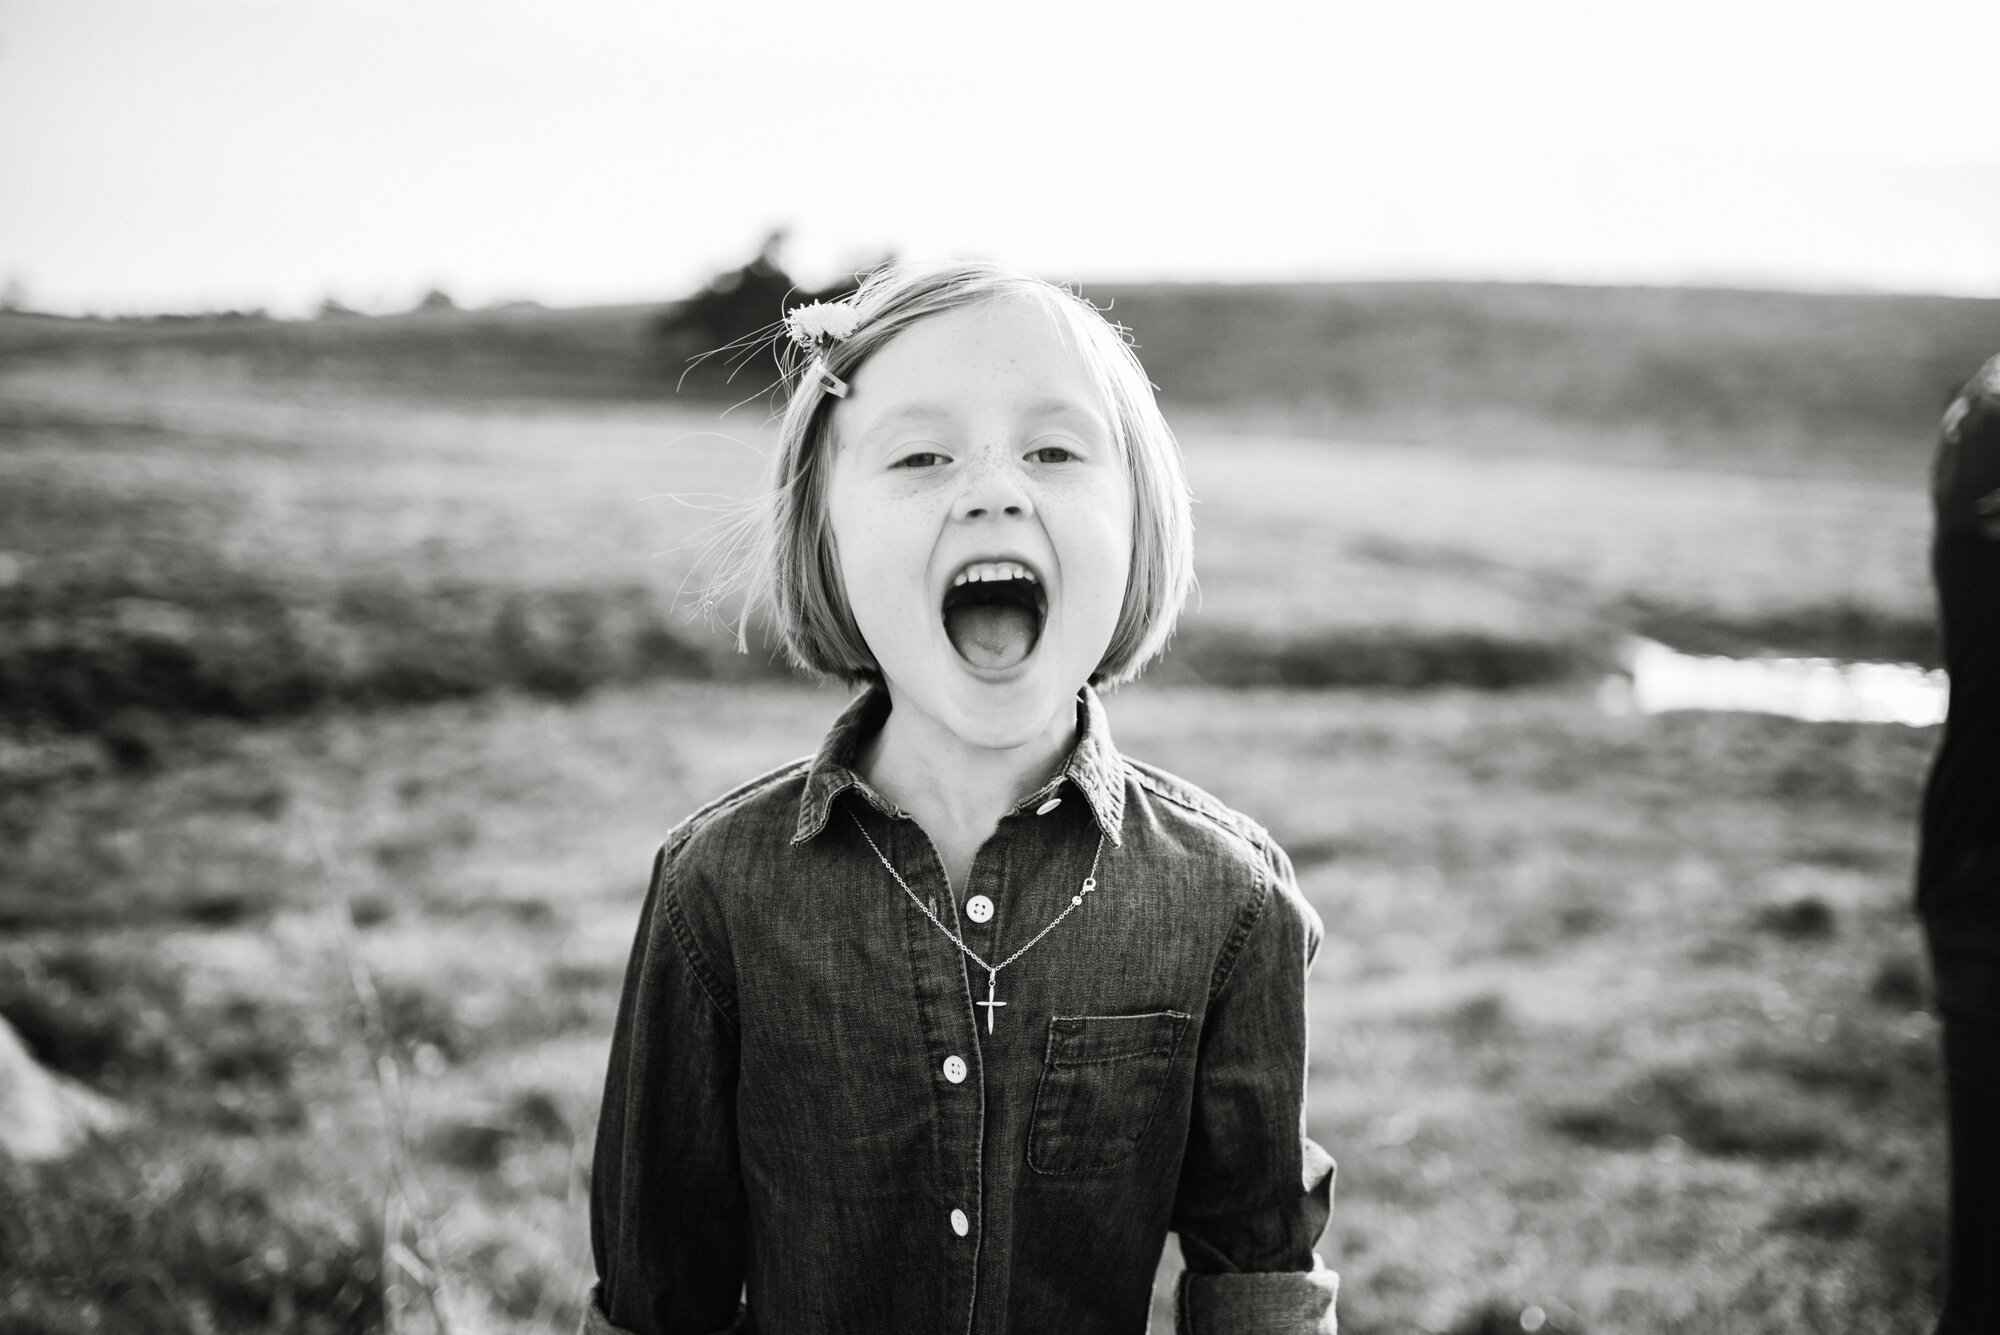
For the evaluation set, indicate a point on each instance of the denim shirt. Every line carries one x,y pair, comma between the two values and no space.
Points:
809,1126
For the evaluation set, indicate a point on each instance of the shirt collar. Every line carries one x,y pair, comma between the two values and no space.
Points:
1094,767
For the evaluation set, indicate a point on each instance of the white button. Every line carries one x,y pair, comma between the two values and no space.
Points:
954,1070
1048,806
960,1224
979,908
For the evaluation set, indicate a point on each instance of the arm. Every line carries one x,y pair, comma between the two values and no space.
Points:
667,1218
1254,1191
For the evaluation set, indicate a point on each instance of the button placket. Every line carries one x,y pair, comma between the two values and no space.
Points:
945,989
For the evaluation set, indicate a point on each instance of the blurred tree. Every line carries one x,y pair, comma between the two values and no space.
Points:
437,299
14,295
719,341
333,308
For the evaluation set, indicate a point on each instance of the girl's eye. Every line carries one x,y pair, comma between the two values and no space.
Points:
1051,454
919,459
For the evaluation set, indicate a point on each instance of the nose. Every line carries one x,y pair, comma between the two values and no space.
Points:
992,487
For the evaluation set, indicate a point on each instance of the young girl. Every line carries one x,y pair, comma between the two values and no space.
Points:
945,1028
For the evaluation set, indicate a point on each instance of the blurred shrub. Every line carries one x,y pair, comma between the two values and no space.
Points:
1899,983
417,1013
1412,660
99,663
100,1244
1711,1114
1478,1019
1806,918
119,1018
97,1015
1773,1098
455,1017
1843,630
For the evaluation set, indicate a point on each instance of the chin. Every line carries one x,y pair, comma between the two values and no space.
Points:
1003,710
1020,718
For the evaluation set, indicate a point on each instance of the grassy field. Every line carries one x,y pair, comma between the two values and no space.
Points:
182,538
1619,1018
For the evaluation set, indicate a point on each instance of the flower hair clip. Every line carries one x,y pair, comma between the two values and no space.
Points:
816,327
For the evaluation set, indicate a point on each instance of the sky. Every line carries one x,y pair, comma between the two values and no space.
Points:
207,154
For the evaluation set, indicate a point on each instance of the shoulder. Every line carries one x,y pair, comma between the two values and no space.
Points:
1198,824
734,841
763,806
1191,812
726,842
1965,473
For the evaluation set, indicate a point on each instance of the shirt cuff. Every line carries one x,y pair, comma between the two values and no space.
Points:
1263,1303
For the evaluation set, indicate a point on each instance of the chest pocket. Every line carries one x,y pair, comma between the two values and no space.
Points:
1101,1083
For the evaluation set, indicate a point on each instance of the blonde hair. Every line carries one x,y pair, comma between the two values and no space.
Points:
780,555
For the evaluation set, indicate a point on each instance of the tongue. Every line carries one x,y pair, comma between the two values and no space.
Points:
991,636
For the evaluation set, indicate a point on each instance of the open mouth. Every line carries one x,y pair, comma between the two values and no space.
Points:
993,613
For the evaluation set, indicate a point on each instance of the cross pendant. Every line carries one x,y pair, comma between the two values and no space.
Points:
990,1003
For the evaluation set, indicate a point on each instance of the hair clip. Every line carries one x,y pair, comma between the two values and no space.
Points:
826,379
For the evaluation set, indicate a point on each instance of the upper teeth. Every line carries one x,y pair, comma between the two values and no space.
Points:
983,570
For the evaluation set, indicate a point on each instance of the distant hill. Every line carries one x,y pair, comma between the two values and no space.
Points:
589,351
1781,371
1852,375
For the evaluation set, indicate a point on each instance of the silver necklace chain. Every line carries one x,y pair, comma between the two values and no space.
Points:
992,970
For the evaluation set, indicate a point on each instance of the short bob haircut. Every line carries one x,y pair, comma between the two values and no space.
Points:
781,555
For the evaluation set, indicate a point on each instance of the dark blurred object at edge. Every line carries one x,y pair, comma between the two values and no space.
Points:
1958,872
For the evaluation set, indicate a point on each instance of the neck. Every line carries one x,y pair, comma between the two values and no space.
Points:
958,792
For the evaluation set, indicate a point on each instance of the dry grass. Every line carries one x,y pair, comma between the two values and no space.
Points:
1616,1017
1571,1044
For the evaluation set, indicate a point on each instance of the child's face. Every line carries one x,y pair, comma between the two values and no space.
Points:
975,443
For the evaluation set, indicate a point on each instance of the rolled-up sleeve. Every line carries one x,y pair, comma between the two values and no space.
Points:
667,1215
1255,1191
